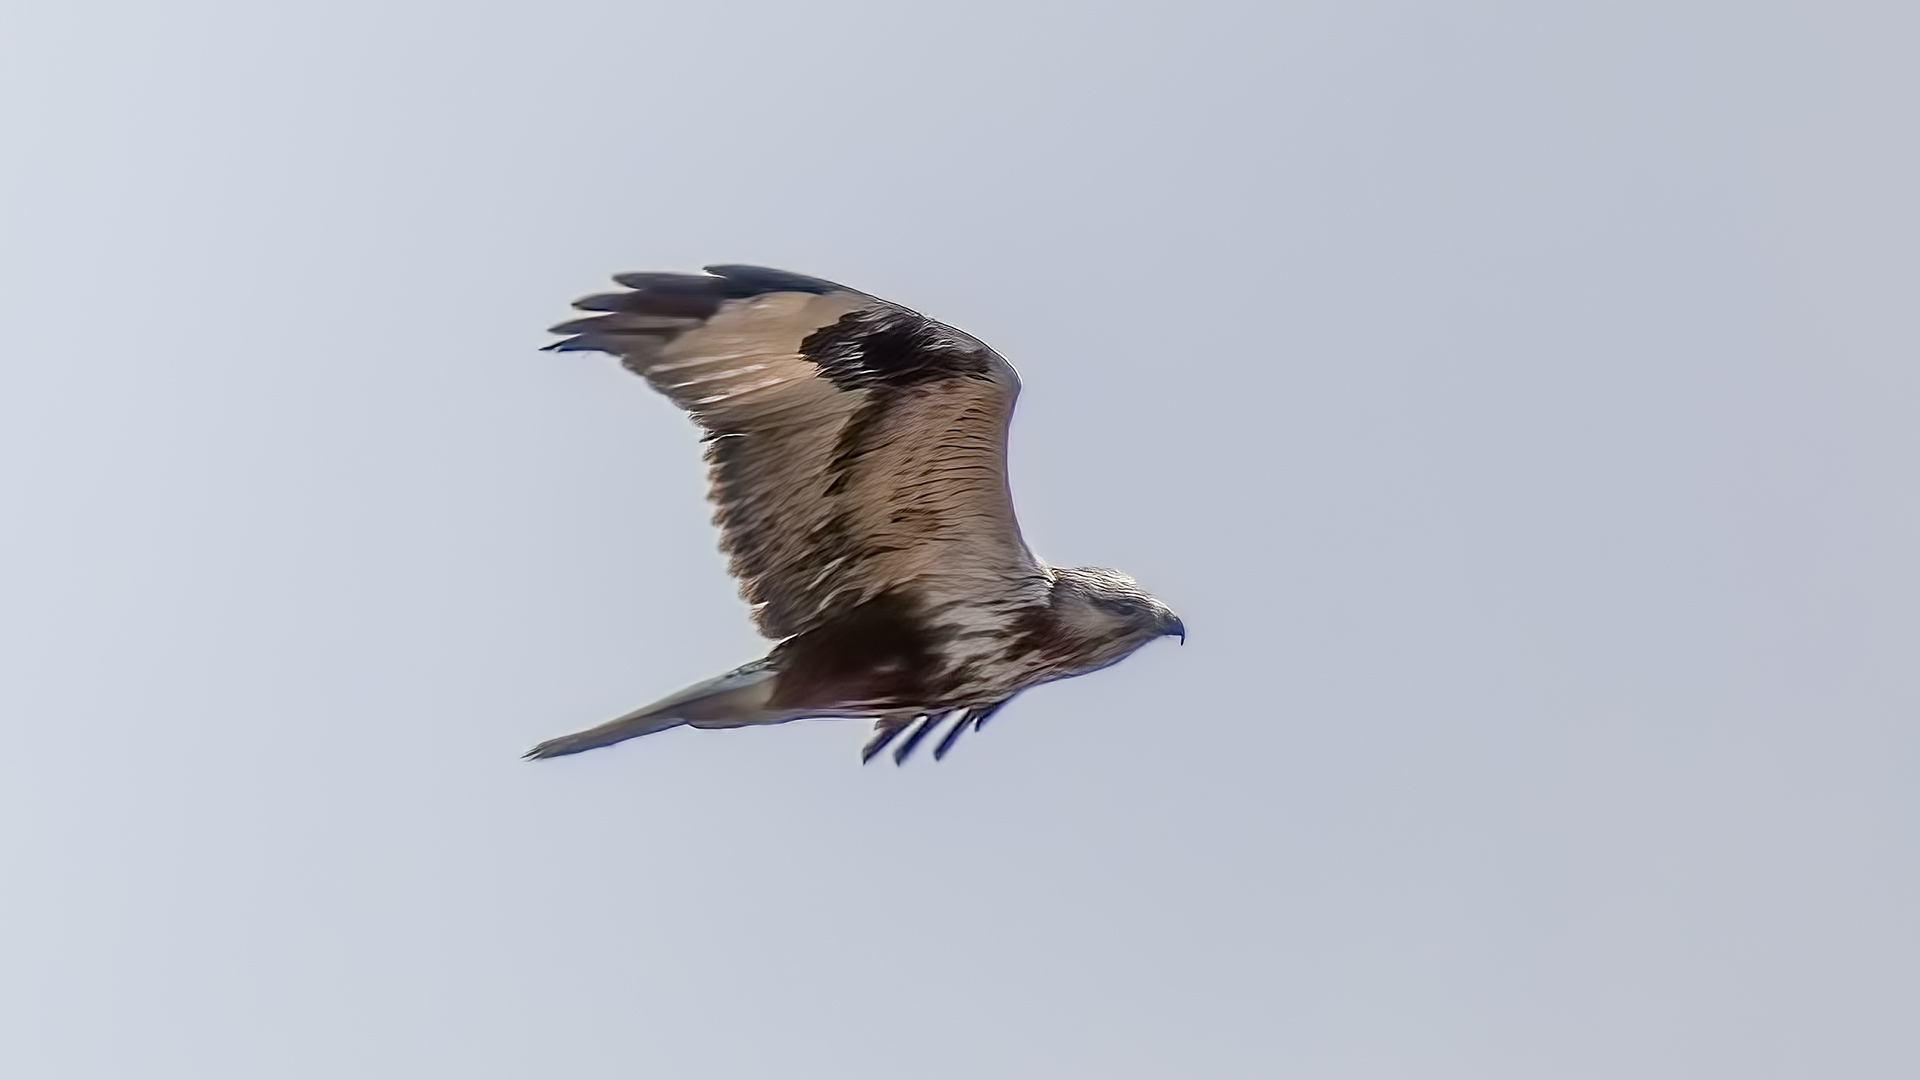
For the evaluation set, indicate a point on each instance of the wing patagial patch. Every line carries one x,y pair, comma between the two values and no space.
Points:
884,346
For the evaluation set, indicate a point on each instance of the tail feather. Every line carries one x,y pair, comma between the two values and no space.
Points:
735,699
631,726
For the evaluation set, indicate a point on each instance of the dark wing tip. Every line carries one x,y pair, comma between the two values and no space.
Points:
884,732
583,343
905,749
952,736
972,717
765,279
667,302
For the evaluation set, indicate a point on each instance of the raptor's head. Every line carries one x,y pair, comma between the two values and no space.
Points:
1107,615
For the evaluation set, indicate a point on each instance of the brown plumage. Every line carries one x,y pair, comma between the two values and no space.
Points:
857,453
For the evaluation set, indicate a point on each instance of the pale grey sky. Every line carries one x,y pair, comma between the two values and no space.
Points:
1517,400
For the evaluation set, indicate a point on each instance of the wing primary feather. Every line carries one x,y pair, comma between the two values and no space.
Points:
975,716
666,281
622,323
927,724
578,344
765,279
953,735
981,716
885,730
675,303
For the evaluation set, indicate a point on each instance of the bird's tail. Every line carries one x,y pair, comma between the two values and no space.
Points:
736,699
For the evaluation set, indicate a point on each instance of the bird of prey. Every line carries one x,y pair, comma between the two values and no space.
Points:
857,453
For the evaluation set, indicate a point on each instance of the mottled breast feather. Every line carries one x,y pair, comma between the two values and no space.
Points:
857,449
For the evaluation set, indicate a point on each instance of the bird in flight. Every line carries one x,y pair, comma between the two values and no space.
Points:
857,453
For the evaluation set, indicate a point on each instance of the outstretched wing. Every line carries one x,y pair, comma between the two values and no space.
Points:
855,447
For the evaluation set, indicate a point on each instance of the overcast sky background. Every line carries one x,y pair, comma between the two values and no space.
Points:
1518,401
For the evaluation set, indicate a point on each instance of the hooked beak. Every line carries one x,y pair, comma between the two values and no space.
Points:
1174,627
